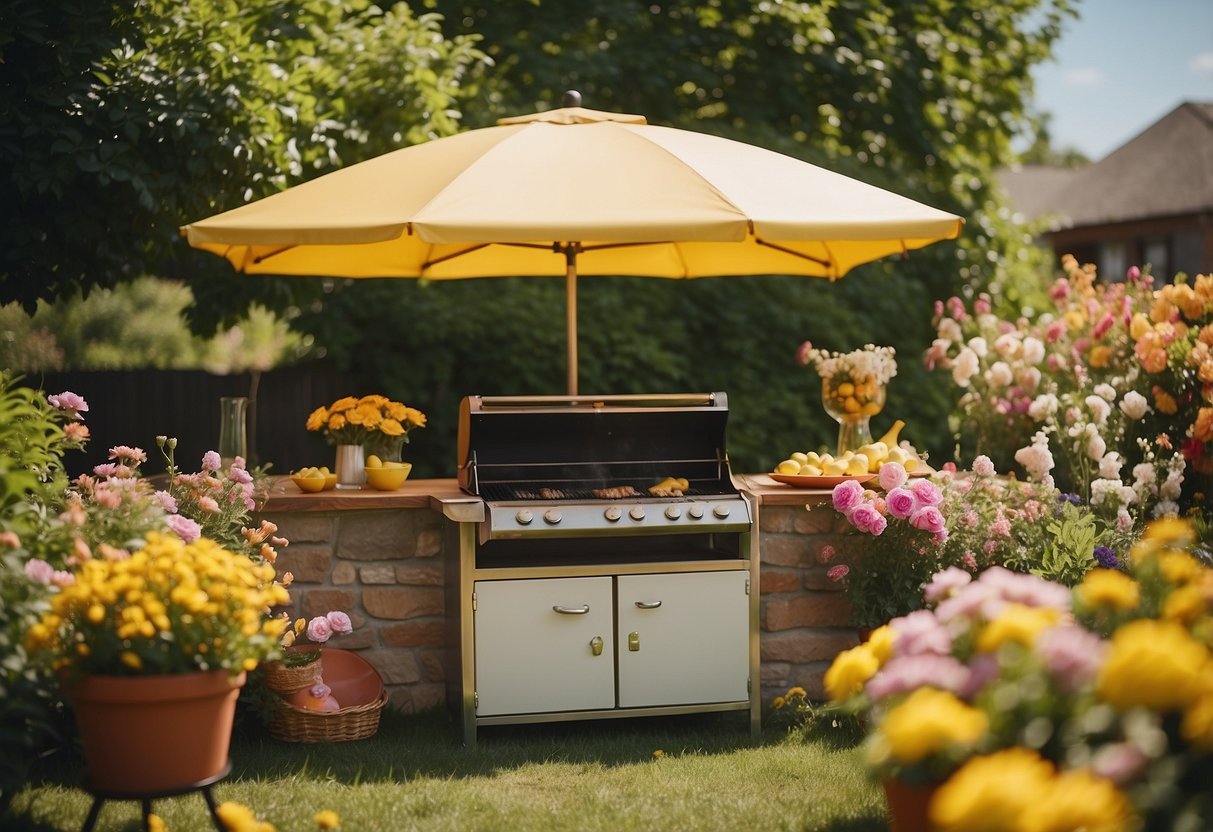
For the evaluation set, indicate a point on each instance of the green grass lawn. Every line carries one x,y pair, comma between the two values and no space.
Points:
414,775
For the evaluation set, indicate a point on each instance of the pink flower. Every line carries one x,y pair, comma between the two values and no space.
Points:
69,403
340,622
127,454
1001,527
211,461
166,501
1060,289
920,632
106,469
1073,654
892,475
208,504
983,466
62,579
39,571
802,353
847,495
901,502
903,674
837,573
10,540
929,519
927,492
866,518
945,583
183,527
319,629
826,553
982,305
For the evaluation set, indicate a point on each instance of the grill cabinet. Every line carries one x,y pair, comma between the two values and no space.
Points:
581,595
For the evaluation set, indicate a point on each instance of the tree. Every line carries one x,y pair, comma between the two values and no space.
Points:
121,121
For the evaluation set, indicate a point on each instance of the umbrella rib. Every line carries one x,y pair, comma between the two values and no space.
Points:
793,252
260,258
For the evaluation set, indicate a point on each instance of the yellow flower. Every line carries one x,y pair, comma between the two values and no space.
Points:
1197,725
658,754
1080,800
1156,664
797,692
880,642
778,703
155,823
391,427
343,404
850,670
317,419
337,421
927,722
1179,567
1109,588
988,794
1016,623
327,819
1188,603
1099,356
236,817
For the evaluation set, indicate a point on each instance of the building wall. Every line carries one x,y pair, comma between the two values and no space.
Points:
386,569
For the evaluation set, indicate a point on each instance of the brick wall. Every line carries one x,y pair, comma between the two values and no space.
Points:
385,568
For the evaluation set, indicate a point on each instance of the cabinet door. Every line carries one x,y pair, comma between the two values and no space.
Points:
683,638
537,648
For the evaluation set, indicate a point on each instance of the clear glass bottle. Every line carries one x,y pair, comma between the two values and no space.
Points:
233,428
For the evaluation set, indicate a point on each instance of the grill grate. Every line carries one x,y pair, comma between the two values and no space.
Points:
556,493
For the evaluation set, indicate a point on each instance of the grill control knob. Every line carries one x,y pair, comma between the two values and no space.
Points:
524,517
673,512
721,511
613,513
551,517
695,512
636,513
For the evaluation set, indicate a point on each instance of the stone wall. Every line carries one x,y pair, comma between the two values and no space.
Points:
385,568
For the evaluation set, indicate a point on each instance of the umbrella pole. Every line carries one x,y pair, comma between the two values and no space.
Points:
570,314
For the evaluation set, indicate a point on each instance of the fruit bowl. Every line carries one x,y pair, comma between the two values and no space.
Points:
309,484
388,478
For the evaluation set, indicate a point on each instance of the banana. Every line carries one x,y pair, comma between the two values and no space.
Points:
890,437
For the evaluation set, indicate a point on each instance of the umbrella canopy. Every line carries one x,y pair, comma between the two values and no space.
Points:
606,193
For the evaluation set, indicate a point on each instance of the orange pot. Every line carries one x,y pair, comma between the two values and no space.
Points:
908,806
149,734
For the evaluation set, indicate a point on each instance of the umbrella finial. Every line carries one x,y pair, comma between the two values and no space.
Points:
571,98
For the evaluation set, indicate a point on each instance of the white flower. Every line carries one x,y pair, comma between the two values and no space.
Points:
1134,405
1033,350
1143,472
949,330
965,367
1110,465
999,374
1127,495
1043,406
1007,344
1028,378
1124,520
1171,487
1099,408
1105,492
1036,458
1166,508
1106,392
979,346
1096,447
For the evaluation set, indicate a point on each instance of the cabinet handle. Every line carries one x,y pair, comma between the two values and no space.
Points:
582,610
648,605
634,642
596,645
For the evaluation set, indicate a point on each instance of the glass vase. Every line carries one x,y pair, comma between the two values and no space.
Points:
387,448
852,404
233,428
350,466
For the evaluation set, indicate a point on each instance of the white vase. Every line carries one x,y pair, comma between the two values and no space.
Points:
350,466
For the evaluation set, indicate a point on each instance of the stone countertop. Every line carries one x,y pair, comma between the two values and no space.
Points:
445,495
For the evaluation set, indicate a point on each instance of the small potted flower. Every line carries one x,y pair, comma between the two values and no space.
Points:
300,665
371,424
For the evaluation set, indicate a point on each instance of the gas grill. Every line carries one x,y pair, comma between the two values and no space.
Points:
567,467
609,572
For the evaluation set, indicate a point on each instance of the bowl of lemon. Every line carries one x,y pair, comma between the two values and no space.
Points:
314,479
386,475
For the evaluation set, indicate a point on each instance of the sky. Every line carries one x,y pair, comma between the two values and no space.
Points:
1122,66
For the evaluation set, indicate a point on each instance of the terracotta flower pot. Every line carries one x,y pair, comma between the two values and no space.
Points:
908,806
149,734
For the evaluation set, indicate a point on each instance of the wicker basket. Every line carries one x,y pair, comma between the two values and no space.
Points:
292,724
283,678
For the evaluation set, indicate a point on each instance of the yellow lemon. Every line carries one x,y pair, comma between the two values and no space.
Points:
807,470
857,465
788,466
373,461
800,457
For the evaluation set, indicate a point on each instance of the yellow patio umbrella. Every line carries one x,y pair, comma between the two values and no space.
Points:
573,191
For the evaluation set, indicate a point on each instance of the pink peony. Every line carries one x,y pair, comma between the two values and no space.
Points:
340,622
847,495
866,518
901,503
39,571
927,492
319,629
892,475
929,519
983,466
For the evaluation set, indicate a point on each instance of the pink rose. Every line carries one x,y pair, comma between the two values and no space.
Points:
340,622
183,527
69,403
847,495
892,475
837,573
928,518
826,553
927,492
901,502
319,629
866,518
39,571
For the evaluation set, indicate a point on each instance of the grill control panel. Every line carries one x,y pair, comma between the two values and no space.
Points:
718,514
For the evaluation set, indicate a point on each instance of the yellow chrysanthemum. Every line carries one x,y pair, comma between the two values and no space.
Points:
1179,567
880,642
1188,603
989,794
850,670
1018,624
337,421
1080,800
317,419
343,404
1156,664
927,722
1109,588
1197,725
391,427
327,819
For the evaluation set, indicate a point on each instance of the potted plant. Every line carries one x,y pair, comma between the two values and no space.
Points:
372,424
300,666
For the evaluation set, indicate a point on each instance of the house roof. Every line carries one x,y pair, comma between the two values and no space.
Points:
1034,190
1166,170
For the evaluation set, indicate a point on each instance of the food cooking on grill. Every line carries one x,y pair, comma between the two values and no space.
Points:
615,492
551,494
670,487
